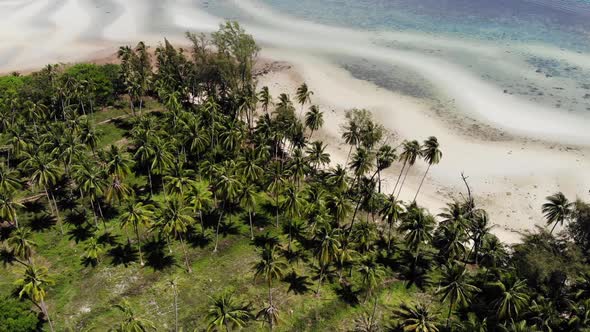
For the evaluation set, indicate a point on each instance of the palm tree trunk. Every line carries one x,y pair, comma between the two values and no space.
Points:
553,228
403,181
399,176
175,308
46,313
186,260
449,315
61,227
94,213
422,182
389,236
320,280
150,181
218,224
251,226
138,244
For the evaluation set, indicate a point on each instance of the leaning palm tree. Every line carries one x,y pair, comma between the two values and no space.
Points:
131,322
455,287
135,215
385,157
314,119
226,312
304,95
270,268
409,156
32,285
391,211
21,244
417,318
432,155
557,210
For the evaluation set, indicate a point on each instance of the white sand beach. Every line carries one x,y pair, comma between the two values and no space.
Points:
515,151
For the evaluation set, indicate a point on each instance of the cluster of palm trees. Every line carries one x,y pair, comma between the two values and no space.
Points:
223,153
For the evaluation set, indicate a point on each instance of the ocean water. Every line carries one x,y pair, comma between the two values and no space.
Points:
534,49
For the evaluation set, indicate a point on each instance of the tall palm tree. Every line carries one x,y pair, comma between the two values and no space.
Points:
173,221
292,205
391,211
131,322
385,157
229,187
21,244
91,183
417,227
9,207
415,318
44,174
270,268
557,209
371,272
92,250
432,155
275,186
265,98
511,297
304,95
249,201
317,155
135,215
200,198
33,285
455,287
226,312
327,249
314,119
409,155
9,180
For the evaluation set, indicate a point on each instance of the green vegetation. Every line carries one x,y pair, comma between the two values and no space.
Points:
171,193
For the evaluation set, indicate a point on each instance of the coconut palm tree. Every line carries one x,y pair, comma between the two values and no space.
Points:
173,221
269,268
91,183
371,272
9,180
327,249
385,157
136,214
21,244
92,251
409,156
432,155
316,154
314,119
557,209
392,210
200,198
303,95
416,318
511,297
265,98
417,227
276,182
44,174
118,163
225,312
9,207
455,287
131,322
33,286
249,201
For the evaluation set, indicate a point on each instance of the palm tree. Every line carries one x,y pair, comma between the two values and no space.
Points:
173,221
200,198
317,155
327,250
32,285
229,187
557,210
351,135
131,322
91,183
21,244
136,214
371,272
511,297
409,155
417,226
248,201
118,164
270,268
314,119
292,205
276,182
226,312
415,318
385,157
92,250
9,180
8,208
44,174
304,95
265,98
432,155
455,287
391,211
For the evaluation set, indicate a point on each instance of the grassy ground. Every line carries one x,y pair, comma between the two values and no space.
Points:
83,296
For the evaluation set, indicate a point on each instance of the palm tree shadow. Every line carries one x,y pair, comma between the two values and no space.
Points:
298,284
347,294
7,257
229,228
81,233
260,220
34,206
265,240
156,256
42,222
123,254
199,238
110,239
87,261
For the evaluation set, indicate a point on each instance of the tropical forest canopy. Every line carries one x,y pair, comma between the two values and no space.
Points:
169,192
